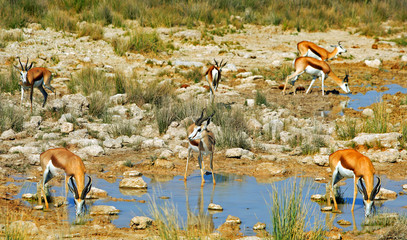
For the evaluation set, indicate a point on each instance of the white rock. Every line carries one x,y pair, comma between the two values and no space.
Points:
388,156
321,160
259,226
270,168
373,63
24,150
254,125
8,135
66,127
28,227
164,164
368,112
233,219
118,99
187,63
96,193
133,182
213,206
77,104
132,173
94,150
140,222
385,194
404,58
244,74
189,34
112,143
250,102
104,210
234,153
386,139
50,136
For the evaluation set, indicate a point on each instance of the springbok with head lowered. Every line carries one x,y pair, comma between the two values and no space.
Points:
37,77
213,75
316,68
349,163
310,49
202,141
54,160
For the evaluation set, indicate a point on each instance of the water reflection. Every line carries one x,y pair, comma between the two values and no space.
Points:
241,196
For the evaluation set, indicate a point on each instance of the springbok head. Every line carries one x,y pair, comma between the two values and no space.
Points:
368,199
220,65
24,70
80,199
200,126
345,83
340,48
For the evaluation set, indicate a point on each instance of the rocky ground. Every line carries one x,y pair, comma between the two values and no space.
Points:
250,52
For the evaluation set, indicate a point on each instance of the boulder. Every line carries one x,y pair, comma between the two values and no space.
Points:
112,143
164,164
96,193
8,135
104,210
76,104
94,150
215,207
233,219
321,160
385,194
373,63
133,182
254,125
66,127
259,226
133,173
269,168
387,140
140,222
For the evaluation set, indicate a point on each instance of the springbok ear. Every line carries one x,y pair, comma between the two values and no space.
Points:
334,46
339,43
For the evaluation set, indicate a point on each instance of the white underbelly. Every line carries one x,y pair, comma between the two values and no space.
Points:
312,54
346,173
36,84
313,71
196,149
53,170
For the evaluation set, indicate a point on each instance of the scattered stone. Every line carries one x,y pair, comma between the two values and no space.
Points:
321,160
373,63
254,125
343,222
112,143
386,194
250,102
133,173
29,227
8,135
189,34
326,209
387,140
104,210
66,127
133,182
270,168
259,226
180,63
140,222
368,112
244,74
388,156
94,150
29,196
39,207
405,186
164,164
215,207
96,193
164,197
233,219
318,197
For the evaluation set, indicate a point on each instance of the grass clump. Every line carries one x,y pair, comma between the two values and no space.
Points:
346,130
194,74
289,211
260,99
94,31
10,82
11,117
377,124
154,92
402,41
146,42
89,80
123,128
98,106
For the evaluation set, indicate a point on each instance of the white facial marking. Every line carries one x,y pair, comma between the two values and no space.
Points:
196,134
368,207
79,203
345,87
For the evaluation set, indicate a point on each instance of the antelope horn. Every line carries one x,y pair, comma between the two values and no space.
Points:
73,189
26,64
339,43
86,190
216,63
199,120
22,68
363,189
220,64
224,64
376,189
31,65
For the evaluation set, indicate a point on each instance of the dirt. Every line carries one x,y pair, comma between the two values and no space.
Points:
264,44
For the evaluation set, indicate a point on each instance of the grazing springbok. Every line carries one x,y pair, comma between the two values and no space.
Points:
213,75
310,49
34,77
61,159
316,68
202,141
349,163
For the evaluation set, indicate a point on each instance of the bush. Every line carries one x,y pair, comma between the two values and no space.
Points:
346,130
123,128
98,105
377,124
11,117
94,31
194,74
89,80
154,92
10,82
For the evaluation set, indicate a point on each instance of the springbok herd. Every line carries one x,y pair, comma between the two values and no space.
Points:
313,59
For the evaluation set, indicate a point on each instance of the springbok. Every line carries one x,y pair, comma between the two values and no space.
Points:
34,77
202,141
316,68
310,49
349,163
213,75
54,160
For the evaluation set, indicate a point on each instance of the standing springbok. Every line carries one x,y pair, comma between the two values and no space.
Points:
202,141
34,77
310,49
213,75
349,163
54,160
316,68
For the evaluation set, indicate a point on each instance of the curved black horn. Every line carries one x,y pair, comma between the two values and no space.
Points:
363,189
199,120
221,61
86,190
22,68
339,43
376,189
224,64
216,63
73,188
31,65
26,65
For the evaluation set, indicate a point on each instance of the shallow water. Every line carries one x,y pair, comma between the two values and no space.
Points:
240,196
361,100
